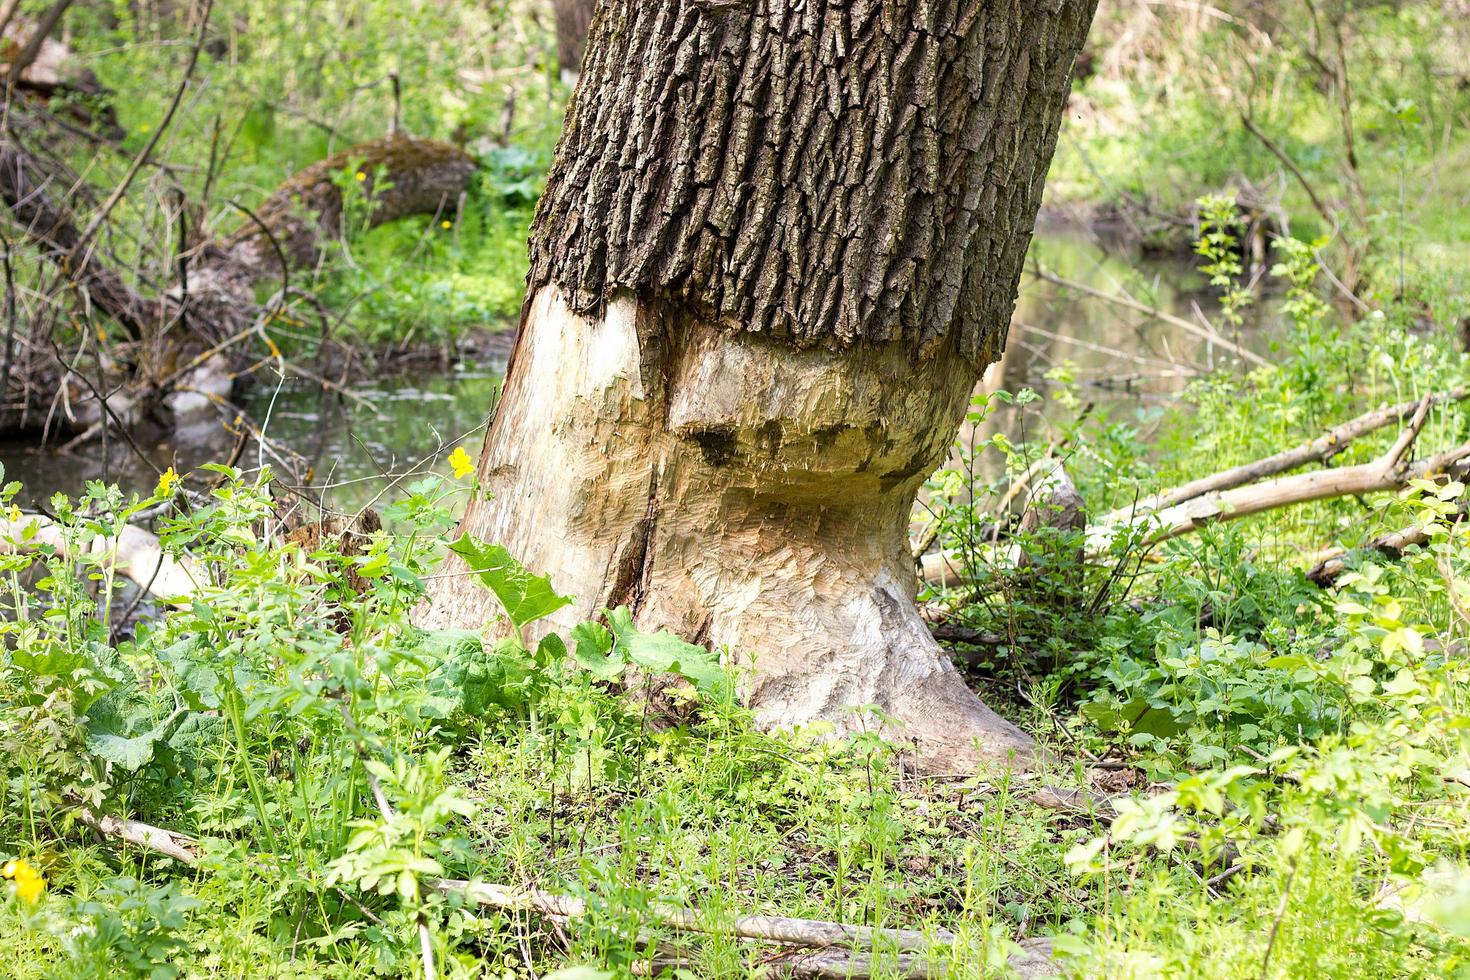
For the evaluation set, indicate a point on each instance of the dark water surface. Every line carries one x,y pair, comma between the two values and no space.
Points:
1122,361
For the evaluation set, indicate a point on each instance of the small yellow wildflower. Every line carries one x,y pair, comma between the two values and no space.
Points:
446,224
360,176
29,883
14,514
461,462
166,481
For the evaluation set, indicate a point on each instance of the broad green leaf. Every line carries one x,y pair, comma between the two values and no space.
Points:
470,677
114,737
196,735
663,652
1137,714
524,597
197,679
551,649
593,650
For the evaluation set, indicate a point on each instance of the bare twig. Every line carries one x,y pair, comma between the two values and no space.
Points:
1128,302
144,154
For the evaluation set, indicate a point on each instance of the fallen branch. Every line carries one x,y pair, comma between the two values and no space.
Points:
1034,960
1317,450
1388,472
913,946
166,842
772,928
215,306
814,935
1384,473
1390,546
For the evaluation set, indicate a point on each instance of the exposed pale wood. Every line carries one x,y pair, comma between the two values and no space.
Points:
743,494
166,842
777,247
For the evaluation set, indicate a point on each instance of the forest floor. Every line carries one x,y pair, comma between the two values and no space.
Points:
1258,775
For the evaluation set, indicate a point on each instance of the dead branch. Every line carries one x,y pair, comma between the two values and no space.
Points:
1189,326
1317,450
291,229
1052,501
1391,546
33,192
1379,475
780,929
1147,529
816,939
39,36
166,842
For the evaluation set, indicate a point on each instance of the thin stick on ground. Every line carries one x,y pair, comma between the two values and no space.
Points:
913,948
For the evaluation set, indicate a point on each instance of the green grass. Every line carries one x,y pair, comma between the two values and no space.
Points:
1298,743
1285,762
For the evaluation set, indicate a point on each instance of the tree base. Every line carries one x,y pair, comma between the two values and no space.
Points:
744,494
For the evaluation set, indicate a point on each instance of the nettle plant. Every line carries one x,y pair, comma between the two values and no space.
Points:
1218,243
1379,784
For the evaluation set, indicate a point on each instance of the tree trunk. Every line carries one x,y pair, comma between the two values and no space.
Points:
776,250
573,17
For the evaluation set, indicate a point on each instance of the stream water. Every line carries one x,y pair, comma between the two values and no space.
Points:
1123,360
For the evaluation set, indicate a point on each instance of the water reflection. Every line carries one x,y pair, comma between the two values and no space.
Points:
348,445
1121,361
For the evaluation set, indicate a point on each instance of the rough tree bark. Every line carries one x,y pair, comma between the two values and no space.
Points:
777,248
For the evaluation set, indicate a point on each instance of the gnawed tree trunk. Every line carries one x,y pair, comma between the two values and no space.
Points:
776,250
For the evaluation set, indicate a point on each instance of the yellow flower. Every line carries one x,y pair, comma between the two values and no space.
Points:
14,514
460,460
360,176
29,883
166,481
